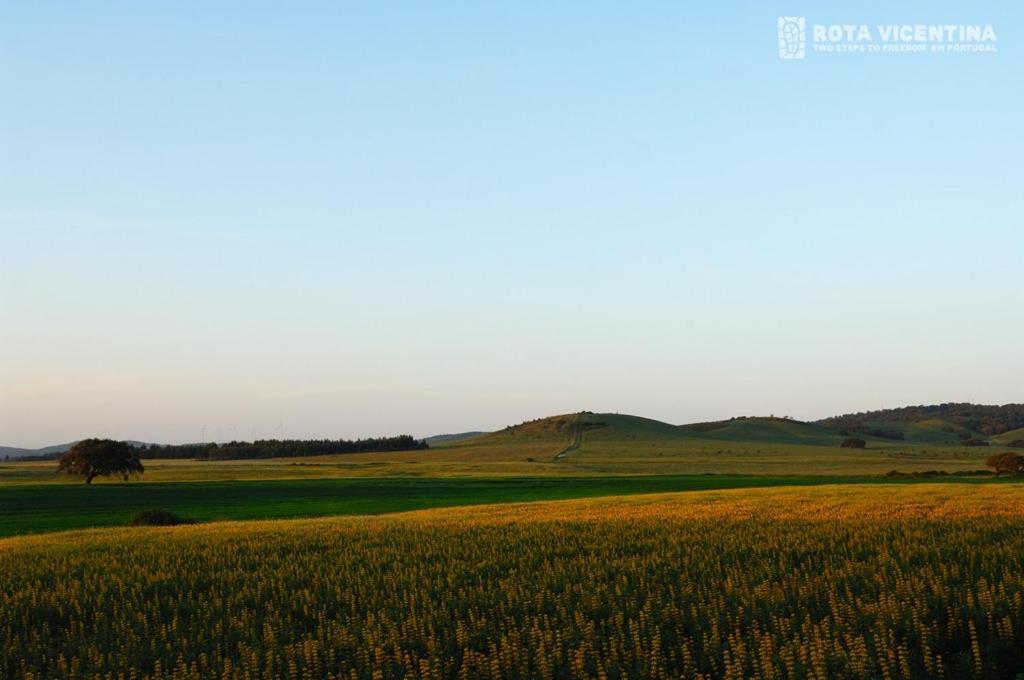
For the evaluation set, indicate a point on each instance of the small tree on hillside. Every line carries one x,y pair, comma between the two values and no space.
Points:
1009,462
92,458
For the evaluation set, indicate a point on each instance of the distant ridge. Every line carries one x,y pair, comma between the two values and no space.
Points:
53,451
458,436
14,451
980,418
947,424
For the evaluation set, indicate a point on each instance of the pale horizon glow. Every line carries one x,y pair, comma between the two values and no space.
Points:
251,220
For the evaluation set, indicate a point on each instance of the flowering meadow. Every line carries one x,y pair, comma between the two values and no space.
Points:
851,581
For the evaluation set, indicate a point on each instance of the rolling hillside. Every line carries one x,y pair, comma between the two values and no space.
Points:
613,443
984,419
617,427
940,425
1012,437
454,437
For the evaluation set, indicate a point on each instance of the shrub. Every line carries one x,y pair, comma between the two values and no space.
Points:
158,518
853,443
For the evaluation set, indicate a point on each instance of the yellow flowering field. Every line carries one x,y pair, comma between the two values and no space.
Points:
827,582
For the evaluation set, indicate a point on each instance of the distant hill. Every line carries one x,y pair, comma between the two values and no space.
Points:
824,433
769,430
951,424
943,424
15,451
551,429
627,427
606,428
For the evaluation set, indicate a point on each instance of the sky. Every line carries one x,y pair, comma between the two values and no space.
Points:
242,220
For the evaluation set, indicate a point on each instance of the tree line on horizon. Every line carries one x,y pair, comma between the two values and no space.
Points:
282,448
91,458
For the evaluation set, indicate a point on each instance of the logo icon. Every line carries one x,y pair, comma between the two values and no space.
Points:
792,37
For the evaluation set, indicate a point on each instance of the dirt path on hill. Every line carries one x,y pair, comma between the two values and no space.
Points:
577,439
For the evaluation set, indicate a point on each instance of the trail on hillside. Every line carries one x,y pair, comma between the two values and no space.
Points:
574,443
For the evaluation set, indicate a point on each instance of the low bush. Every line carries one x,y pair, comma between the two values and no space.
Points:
158,518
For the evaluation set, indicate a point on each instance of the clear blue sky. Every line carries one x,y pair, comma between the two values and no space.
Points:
338,219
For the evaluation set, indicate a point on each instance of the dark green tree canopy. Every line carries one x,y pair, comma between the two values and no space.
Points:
275,448
92,458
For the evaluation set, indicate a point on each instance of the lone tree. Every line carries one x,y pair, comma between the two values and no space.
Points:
1008,462
94,457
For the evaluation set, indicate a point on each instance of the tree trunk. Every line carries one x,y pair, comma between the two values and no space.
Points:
88,480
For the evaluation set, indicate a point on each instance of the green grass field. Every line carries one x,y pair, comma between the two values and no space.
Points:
40,508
